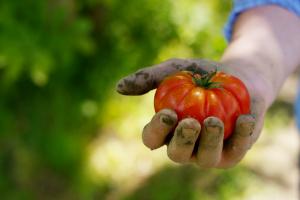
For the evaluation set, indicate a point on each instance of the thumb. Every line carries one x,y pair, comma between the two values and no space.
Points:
137,83
149,78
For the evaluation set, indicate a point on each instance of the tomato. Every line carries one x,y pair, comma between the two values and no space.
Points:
214,94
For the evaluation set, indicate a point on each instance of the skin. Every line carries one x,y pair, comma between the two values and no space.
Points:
263,52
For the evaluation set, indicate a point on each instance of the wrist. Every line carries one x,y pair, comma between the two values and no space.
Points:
264,50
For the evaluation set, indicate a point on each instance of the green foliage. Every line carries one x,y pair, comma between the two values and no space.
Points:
190,183
279,115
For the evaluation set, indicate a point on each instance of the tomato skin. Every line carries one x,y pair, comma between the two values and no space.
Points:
180,93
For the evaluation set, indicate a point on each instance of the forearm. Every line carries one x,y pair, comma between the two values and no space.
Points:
265,49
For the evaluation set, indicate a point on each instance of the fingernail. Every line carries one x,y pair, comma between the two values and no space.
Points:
246,129
213,122
213,126
214,129
189,132
186,136
164,119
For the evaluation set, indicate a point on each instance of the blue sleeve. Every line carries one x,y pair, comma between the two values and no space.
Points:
297,107
243,5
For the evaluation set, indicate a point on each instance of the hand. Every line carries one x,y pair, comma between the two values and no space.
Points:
183,145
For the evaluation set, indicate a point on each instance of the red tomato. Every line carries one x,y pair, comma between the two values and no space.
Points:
214,94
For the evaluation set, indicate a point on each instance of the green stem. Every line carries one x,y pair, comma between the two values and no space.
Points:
205,81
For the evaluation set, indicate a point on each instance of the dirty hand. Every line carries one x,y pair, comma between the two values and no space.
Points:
183,146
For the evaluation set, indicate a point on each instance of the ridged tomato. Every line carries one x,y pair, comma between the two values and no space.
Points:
213,94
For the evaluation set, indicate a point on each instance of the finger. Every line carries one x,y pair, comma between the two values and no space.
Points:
137,83
211,143
240,142
182,144
156,131
257,111
149,78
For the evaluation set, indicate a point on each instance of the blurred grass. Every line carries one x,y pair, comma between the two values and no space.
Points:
187,182
65,133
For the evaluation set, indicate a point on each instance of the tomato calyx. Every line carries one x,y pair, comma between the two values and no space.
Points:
205,80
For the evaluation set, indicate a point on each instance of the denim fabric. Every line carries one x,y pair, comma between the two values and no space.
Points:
297,107
243,5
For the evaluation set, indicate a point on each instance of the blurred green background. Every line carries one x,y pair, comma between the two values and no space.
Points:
66,134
